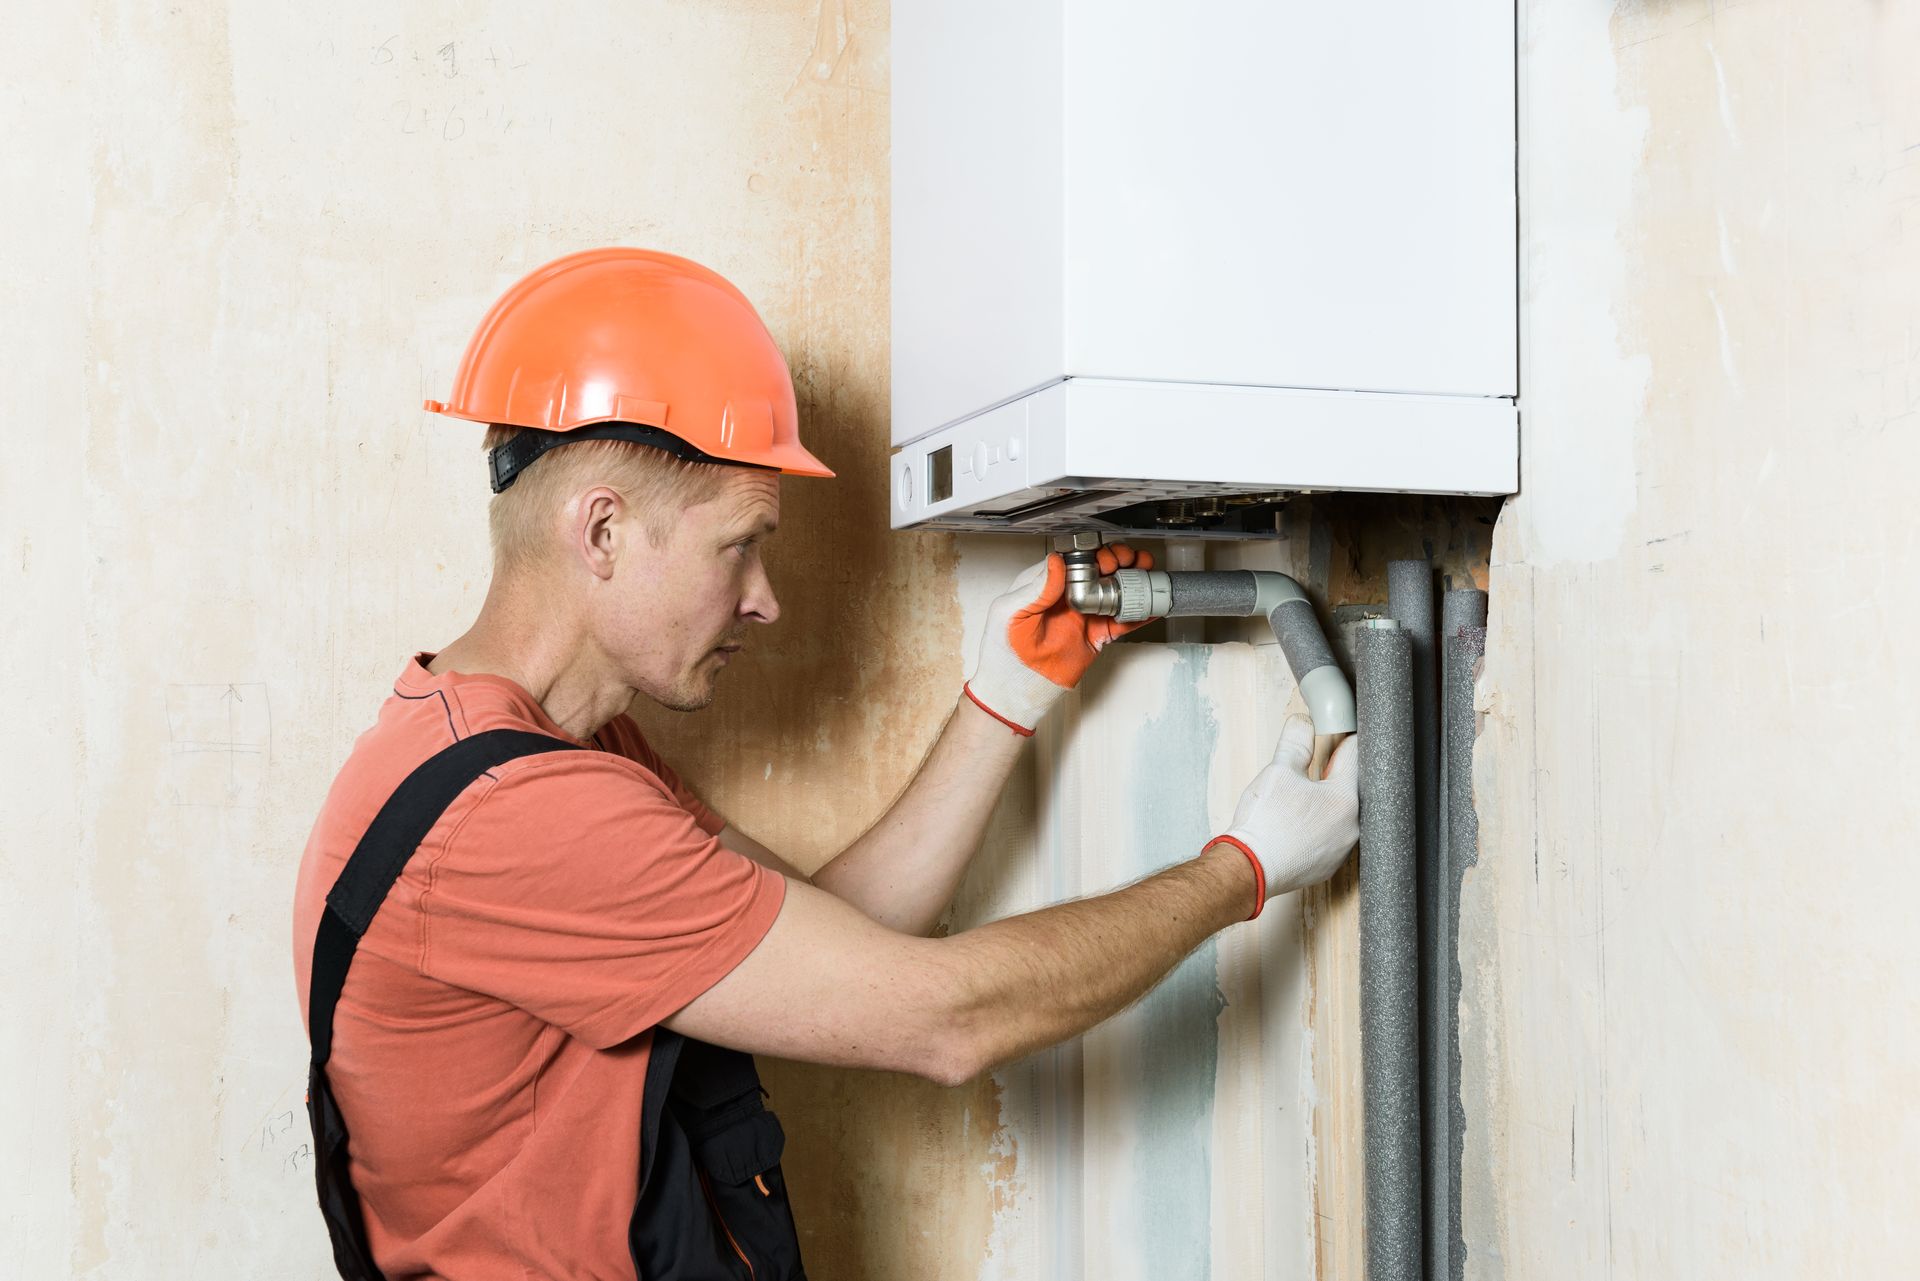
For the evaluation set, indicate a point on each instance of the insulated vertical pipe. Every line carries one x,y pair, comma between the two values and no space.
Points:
1462,607
1412,601
1461,650
1389,952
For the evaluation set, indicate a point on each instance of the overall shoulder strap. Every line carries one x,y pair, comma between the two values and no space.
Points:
402,823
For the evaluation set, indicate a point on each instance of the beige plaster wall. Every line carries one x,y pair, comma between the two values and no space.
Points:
1689,1011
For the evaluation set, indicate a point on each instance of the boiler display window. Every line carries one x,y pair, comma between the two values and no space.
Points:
940,474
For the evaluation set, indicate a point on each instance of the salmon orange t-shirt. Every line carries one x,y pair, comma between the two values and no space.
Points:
490,1046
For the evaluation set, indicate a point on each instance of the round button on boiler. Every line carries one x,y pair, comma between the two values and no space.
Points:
980,460
906,488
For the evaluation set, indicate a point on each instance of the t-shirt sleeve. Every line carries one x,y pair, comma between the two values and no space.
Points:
703,815
625,738
582,891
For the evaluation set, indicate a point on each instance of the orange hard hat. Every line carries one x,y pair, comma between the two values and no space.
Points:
630,344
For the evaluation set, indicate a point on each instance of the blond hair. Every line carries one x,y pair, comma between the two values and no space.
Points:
522,519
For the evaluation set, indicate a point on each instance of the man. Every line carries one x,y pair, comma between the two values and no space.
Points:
525,1045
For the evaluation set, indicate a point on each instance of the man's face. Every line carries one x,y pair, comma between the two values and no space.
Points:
682,605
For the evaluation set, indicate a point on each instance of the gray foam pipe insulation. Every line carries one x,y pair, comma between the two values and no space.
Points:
1411,602
1389,951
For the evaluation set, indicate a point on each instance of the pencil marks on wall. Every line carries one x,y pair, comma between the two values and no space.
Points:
219,743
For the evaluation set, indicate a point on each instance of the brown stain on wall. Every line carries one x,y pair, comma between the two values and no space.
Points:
1366,531
822,723
1331,912
891,1176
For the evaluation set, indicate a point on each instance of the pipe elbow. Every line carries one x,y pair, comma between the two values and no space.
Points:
1329,699
1093,596
1273,589
1324,687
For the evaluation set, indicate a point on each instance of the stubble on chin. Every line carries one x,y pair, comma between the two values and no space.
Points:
692,696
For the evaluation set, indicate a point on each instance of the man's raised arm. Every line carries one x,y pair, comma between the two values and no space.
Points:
904,870
830,985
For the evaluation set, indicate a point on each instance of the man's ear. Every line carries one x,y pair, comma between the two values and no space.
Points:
600,535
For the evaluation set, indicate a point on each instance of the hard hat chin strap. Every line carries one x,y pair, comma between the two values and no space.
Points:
506,462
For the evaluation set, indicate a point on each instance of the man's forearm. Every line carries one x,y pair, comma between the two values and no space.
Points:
904,870
1035,980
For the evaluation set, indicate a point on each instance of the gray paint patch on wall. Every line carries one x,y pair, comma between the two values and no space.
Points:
1180,1039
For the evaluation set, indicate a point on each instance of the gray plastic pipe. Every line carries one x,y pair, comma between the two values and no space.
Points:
1412,601
1389,951
1135,595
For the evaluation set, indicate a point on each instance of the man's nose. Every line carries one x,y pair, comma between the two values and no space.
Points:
759,603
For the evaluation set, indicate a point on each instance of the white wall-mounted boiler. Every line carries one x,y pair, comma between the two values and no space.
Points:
1155,265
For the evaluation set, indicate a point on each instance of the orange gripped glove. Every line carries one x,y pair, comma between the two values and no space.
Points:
1037,646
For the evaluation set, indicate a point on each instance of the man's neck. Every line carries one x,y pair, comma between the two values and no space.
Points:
542,649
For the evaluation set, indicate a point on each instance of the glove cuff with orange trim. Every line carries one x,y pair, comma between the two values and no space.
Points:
1010,691
1297,830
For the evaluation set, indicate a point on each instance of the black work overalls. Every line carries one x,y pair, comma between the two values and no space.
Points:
712,1204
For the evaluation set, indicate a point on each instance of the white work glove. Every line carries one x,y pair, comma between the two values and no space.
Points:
1296,830
1037,646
